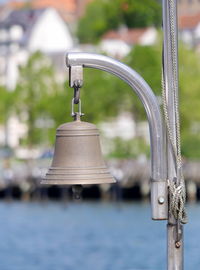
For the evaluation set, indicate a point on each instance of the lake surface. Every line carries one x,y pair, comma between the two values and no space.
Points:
87,236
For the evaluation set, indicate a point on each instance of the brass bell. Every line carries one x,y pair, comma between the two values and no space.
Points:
77,158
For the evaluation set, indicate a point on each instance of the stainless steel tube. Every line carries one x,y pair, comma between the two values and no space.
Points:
175,253
159,198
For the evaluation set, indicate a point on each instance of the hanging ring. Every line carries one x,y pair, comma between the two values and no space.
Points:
79,108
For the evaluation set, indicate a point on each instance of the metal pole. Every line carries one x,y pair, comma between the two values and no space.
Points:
174,247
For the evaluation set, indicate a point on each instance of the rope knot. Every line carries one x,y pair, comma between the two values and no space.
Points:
177,199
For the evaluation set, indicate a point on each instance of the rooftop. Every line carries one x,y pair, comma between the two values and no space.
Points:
189,21
130,36
62,5
23,17
68,9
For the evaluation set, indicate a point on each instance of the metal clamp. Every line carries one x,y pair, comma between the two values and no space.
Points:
76,76
76,81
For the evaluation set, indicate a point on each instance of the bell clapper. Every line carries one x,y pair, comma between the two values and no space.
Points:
77,190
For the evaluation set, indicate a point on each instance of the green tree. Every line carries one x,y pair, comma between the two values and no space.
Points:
6,107
104,96
189,70
140,13
147,62
39,98
102,15
6,103
35,87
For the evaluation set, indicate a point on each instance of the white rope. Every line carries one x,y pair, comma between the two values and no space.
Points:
177,192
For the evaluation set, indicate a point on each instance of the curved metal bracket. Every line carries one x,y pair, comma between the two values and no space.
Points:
159,194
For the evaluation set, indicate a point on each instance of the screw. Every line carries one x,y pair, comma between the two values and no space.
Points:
161,200
178,244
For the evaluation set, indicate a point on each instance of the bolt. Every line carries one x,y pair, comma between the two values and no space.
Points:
178,244
161,200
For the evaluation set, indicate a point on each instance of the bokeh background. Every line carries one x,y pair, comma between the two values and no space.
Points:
110,228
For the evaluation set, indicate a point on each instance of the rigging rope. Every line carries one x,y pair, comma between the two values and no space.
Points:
177,192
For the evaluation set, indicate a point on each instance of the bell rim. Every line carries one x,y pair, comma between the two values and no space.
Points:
77,182
70,176
78,176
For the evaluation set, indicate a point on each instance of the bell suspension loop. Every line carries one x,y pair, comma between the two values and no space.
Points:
76,115
76,82
76,101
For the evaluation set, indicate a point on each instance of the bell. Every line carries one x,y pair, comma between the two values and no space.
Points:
77,158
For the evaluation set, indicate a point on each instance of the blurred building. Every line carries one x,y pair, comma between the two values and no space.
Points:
119,43
188,7
189,30
25,31
69,10
66,9
122,126
27,27
189,22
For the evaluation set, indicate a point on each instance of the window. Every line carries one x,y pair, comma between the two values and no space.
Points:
3,35
16,32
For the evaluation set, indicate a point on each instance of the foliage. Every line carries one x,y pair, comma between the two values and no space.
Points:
105,95
128,148
6,103
189,71
38,96
102,15
147,62
102,96
190,145
140,13
35,87
98,19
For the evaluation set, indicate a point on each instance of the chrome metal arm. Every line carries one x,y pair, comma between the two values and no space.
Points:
159,192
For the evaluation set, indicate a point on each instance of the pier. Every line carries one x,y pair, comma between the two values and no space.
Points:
22,182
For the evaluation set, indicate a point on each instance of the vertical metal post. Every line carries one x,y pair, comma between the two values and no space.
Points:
174,248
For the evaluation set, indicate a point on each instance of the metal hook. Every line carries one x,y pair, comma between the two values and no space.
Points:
76,94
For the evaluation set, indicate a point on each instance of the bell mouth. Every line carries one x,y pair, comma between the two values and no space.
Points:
77,176
77,182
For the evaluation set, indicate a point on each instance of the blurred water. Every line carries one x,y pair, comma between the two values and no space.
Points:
88,236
